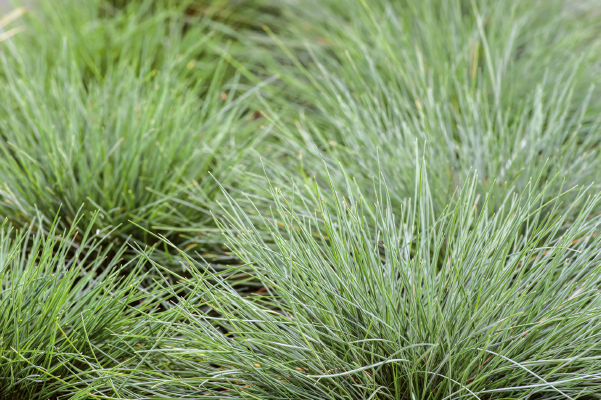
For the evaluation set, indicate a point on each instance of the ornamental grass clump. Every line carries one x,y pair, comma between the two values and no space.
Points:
136,33
400,304
479,82
127,144
66,311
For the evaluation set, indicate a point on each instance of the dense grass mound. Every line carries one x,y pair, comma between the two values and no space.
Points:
65,312
478,85
143,32
124,145
463,305
122,124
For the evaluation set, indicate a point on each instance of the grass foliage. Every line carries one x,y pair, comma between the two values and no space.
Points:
479,91
334,199
65,311
463,305
125,142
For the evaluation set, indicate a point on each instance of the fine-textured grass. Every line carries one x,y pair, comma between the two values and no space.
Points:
127,141
288,142
466,305
64,311
478,85
138,33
